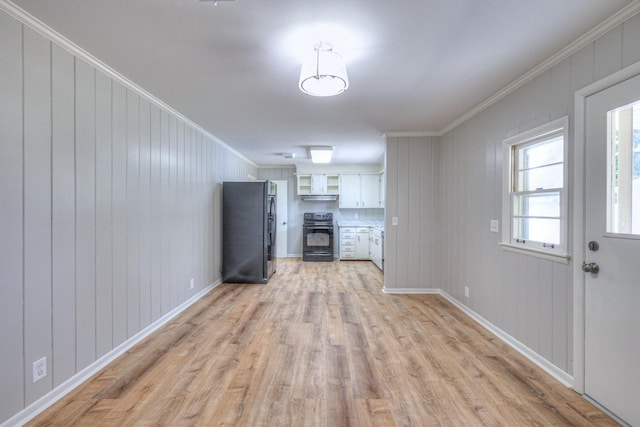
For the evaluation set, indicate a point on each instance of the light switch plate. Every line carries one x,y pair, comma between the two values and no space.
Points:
394,220
495,226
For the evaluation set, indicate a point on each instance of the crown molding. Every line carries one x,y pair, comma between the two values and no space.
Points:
40,27
410,134
607,25
598,31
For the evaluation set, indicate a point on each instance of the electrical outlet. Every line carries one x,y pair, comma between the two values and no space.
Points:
192,284
466,291
494,225
39,369
394,220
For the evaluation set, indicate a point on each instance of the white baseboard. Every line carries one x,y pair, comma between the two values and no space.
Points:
411,291
540,361
31,411
63,389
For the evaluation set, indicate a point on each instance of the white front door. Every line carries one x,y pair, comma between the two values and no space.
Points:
281,218
612,242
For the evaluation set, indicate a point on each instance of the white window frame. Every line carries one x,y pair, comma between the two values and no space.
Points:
557,252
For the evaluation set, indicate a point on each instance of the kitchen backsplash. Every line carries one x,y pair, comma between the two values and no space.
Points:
374,214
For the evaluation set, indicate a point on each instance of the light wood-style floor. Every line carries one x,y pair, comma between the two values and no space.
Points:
321,345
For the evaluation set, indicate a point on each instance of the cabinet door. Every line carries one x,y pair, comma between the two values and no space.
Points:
383,188
370,191
349,191
319,184
362,243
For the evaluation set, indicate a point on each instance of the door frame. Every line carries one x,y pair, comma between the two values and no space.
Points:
578,216
285,183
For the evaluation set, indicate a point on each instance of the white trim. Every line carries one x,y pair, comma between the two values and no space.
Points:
539,133
265,166
534,357
410,291
562,258
540,361
598,31
40,27
579,249
607,25
410,134
610,23
35,408
621,236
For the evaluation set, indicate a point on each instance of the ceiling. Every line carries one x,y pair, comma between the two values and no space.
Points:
414,65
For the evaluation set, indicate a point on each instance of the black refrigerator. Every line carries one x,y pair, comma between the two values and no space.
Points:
248,231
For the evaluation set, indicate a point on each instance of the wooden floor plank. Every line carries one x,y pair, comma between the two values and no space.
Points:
321,345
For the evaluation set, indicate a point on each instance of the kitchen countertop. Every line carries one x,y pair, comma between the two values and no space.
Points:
375,224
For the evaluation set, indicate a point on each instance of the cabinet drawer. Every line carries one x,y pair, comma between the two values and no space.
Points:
344,243
344,248
348,255
347,230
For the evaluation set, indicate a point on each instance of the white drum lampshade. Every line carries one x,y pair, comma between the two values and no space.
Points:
324,73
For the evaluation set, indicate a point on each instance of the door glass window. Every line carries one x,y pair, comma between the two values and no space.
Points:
623,181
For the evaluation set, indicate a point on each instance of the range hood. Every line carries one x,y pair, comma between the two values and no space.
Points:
319,197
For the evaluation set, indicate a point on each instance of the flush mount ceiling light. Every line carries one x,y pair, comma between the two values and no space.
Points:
321,154
324,73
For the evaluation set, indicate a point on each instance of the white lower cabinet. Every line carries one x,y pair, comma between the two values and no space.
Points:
362,243
376,247
354,243
347,243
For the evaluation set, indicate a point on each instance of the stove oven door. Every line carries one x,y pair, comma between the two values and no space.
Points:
317,242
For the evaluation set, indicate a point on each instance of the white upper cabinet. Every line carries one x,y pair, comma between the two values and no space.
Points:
370,191
318,184
349,191
359,191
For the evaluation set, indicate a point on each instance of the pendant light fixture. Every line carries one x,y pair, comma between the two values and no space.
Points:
323,73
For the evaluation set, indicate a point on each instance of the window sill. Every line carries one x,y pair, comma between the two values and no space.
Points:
561,258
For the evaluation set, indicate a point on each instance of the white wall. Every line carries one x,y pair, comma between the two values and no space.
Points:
528,298
412,248
110,205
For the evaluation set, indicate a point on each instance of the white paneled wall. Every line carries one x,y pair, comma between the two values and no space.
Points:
529,298
110,205
412,252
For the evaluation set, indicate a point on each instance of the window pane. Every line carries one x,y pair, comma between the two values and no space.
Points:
541,178
624,170
542,153
545,204
537,229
